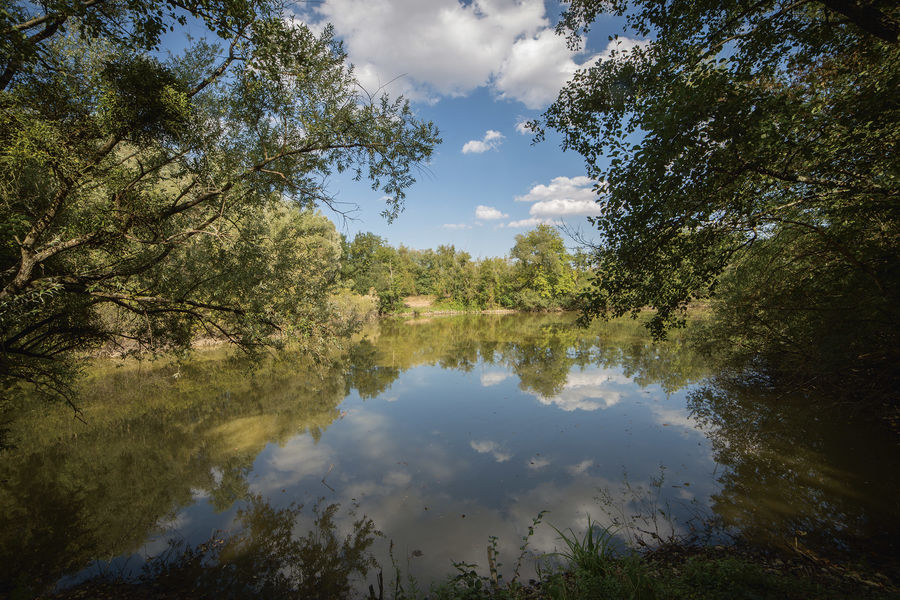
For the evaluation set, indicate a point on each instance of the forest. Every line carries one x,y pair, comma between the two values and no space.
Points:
538,274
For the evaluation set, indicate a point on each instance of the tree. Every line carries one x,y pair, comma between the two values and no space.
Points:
493,282
360,266
128,182
542,269
747,147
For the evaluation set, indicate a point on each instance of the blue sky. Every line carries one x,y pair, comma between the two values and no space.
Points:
477,69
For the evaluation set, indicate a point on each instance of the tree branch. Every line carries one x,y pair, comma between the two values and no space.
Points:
867,17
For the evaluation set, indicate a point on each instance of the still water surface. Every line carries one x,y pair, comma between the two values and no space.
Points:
444,432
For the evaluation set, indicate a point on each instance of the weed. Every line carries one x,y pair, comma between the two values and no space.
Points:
591,553
592,569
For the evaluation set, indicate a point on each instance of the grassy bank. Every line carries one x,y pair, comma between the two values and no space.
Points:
676,573
322,565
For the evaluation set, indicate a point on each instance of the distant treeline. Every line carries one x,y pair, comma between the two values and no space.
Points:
538,274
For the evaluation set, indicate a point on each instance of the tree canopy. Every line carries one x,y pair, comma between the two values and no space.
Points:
145,198
539,273
747,152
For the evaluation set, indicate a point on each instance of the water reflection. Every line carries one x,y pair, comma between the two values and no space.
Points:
799,470
271,553
442,431
75,492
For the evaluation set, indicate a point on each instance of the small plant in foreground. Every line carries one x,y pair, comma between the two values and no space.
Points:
592,568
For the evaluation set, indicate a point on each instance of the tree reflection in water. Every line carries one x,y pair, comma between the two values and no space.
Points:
800,471
156,445
266,558
75,492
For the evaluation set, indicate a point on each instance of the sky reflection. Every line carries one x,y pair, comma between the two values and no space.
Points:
446,458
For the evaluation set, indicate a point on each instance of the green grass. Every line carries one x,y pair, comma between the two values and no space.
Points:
592,565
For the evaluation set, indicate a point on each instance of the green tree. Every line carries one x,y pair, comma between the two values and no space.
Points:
136,187
426,270
360,267
542,269
494,283
406,271
747,148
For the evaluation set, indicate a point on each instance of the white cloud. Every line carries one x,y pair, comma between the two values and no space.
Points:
563,207
492,448
427,49
538,462
536,68
491,141
456,226
588,391
573,188
676,418
562,197
531,222
523,128
489,379
299,458
488,213
438,47
580,468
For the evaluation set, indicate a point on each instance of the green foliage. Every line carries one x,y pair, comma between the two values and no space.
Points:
142,99
596,570
264,558
145,202
795,306
153,433
738,578
149,434
388,301
748,153
468,584
360,266
778,451
593,552
538,276
542,270
352,308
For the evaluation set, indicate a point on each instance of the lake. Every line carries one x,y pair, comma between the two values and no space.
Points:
444,432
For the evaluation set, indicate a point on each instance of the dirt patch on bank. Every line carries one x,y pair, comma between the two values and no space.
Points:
419,301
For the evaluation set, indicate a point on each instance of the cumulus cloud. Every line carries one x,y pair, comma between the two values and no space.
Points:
536,68
531,222
562,197
538,462
492,448
439,47
580,468
427,49
523,128
491,141
563,207
456,226
574,188
588,391
488,213
493,378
